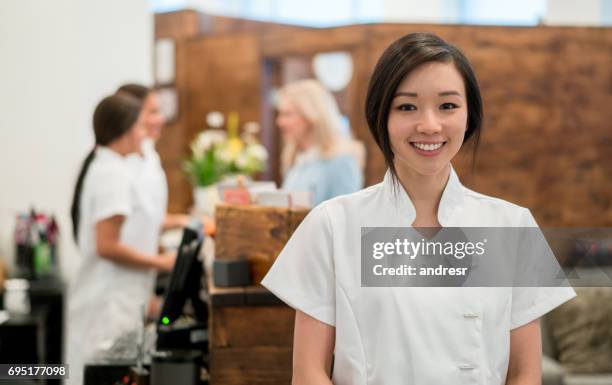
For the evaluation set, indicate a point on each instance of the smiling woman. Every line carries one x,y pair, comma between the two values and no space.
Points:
429,106
423,103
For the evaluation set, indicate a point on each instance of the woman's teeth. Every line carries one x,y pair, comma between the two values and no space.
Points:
427,147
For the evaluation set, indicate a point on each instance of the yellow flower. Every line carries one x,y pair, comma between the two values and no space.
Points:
235,146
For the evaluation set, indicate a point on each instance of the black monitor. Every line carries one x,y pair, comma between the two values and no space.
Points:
185,281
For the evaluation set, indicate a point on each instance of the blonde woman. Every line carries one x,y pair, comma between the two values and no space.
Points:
317,156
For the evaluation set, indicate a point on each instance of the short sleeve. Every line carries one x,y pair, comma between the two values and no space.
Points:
111,195
531,303
303,274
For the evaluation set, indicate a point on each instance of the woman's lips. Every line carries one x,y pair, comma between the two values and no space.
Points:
428,148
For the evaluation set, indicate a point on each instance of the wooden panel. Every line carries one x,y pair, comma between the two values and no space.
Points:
177,25
295,218
221,80
253,233
268,365
214,24
250,231
189,23
256,233
250,326
581,147
312,41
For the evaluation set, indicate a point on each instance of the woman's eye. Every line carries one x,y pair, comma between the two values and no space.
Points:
406,107
448,106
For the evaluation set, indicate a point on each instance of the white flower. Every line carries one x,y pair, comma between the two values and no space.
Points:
198,146
216,136
251,128
215,119
224,154
258,152
242,161
206,140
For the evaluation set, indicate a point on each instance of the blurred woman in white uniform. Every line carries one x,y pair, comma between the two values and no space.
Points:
317,156
423,103
150,179
116,235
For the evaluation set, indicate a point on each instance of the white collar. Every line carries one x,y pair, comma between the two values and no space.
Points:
106,153
148,146
403,208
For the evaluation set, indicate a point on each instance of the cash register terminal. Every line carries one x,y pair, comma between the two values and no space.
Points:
178,329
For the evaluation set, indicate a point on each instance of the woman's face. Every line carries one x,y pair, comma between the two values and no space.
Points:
294,127
428,118
134,136
154,119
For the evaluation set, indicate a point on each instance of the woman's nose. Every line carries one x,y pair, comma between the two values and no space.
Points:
429,124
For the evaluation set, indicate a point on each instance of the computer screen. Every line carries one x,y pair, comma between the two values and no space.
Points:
185,280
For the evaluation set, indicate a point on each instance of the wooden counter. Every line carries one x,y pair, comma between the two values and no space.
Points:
251,337
255,233
250,329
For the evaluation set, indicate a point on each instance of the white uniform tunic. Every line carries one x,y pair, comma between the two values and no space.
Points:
105,300
405,335
150,180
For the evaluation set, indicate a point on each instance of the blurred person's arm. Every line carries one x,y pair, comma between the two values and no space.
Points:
154,307
173,221
109,246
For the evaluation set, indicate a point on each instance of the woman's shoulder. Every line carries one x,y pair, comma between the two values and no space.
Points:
503,211
358,202
105,170
483,199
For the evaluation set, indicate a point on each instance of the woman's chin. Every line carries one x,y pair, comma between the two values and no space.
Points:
427,168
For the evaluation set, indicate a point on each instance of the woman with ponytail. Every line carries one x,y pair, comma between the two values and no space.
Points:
115,235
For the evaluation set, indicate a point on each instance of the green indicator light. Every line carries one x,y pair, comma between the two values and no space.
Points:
165,320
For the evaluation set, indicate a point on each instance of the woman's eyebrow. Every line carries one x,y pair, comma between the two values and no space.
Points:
402,93
414,94
449,93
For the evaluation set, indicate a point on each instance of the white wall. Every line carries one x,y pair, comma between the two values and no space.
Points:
58,59
419,11
572,12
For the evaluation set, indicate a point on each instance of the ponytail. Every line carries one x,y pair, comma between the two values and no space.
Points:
75,209
113,117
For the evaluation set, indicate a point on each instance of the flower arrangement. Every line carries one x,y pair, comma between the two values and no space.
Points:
218,153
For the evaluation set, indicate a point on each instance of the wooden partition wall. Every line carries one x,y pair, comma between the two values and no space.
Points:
547,136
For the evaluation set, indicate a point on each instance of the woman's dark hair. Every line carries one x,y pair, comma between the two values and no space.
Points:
398,60
112,118
138,91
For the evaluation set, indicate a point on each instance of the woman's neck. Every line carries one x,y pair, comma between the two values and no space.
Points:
425,192
119,147
305,142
